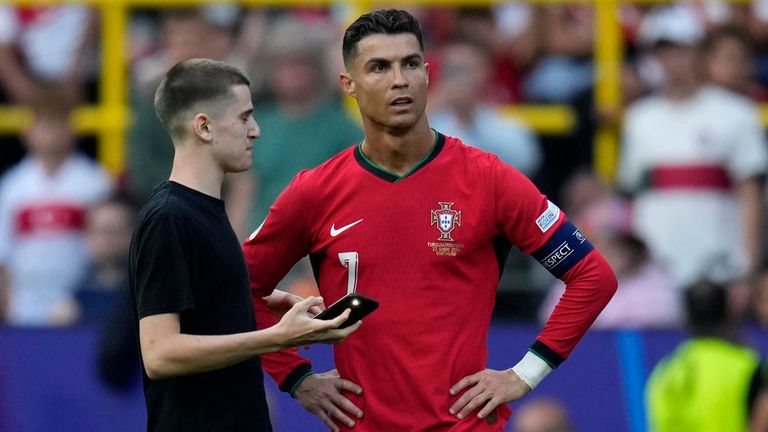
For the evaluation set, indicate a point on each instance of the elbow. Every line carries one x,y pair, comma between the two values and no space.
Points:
153,372
155,366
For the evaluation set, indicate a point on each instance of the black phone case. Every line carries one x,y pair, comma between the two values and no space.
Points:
360,305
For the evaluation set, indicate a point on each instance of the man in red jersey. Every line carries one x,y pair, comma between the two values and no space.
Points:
422,223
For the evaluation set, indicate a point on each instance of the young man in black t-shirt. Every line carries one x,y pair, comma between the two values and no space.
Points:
188,278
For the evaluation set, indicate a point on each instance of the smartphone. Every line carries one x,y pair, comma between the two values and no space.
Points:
360,305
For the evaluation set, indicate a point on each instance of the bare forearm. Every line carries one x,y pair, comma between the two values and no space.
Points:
167,352
14,79
183,354
751,202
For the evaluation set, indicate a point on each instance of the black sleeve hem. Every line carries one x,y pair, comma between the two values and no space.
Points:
546,353
295,376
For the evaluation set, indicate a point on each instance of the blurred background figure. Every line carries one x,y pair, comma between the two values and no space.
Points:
693,157
220,32
563,69
101,298
460,109
541,415
728,60
46,45
303,122
43,201
704,385
646,297
103,288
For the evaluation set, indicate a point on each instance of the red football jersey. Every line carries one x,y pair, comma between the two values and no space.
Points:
428,246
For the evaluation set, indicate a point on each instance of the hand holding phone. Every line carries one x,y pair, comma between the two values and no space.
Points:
360,306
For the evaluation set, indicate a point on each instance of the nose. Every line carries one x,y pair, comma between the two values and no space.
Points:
399,80
255,131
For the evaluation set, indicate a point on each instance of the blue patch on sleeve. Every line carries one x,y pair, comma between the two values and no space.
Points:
565,249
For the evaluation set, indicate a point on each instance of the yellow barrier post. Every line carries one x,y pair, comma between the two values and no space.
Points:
608,63
113,85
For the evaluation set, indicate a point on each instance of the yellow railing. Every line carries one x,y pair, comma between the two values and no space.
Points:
110,118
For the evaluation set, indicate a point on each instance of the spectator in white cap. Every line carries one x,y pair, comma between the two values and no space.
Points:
693,156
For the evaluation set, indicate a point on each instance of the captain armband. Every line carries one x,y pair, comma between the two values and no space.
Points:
563,250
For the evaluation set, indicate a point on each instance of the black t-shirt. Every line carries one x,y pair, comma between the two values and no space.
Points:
186,259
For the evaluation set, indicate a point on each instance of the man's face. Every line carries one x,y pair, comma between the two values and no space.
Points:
294,77
678,61
108,233
463,75
49,136
388,77
234,131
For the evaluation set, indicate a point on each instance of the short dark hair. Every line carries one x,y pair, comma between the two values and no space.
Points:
725,32
384,21
190,83
706,306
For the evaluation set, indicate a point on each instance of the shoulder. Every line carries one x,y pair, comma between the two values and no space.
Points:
472,157
164,206
332,168
17,172
86,166
726,100
645,106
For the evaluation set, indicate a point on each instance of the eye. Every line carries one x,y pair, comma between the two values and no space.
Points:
378,67
413,64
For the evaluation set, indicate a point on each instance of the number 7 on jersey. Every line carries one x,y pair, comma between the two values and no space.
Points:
349,260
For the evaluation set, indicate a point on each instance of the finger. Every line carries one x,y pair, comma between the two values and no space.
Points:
307,303
314,310
348,406
326,419
351,329
473,404
347,385
464,383
339,415
489,407
464,400
339,320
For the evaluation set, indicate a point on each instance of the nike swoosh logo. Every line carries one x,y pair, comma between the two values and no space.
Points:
335,232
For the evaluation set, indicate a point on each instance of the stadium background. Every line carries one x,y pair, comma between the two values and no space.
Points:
47,375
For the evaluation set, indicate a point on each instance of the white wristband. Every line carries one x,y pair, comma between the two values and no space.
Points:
532,369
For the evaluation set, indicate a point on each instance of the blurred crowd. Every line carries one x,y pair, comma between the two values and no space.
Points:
686,205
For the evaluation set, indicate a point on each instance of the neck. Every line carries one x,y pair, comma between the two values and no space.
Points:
52,163
682,90
194,169
398,152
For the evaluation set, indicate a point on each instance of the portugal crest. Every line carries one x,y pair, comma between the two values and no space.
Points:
446,219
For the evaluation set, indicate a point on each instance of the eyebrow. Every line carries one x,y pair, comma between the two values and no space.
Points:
387,61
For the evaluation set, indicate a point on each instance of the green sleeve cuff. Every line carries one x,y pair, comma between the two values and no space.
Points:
299,381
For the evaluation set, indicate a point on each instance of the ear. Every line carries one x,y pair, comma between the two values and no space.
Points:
201,127
347,84
426,66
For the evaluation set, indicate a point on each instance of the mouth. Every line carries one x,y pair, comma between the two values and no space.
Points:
402,102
